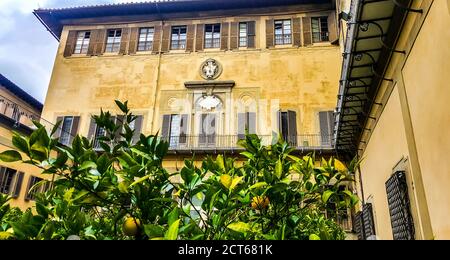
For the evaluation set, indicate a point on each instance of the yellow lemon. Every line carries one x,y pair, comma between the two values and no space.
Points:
338,165
131,226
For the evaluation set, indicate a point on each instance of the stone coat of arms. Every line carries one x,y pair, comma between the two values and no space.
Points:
210,69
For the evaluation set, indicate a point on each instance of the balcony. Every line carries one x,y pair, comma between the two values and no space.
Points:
210,144
16,116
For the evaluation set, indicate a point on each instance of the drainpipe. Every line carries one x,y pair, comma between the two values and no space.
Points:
157,77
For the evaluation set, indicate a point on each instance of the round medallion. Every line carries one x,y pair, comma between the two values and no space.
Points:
210,69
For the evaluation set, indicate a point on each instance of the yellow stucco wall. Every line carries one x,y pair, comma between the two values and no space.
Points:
428,95
415,122
387,146
6,144
302,79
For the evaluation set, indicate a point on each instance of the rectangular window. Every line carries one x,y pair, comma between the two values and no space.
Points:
67,129
283,32
288,127
174,129
32,190
399,207
246,123
82,43
113,40
319,26
178,38
326,120
145,42
212,36
243,34
99,133
6,180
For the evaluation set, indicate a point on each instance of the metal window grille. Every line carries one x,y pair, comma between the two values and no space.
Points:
399,207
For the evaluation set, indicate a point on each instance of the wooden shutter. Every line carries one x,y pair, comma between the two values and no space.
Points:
280,122
184,123
157,38
166,38
251,34
296,26
292,128
165,130
269,33
70,43
190,37
307,40
124,39
92,128
212,125
132,46
332,27
100,42
93,42
137,129
224,27
241,125
234,36
58,131
325,130
251,122
74,129
17,185
358,222
199,37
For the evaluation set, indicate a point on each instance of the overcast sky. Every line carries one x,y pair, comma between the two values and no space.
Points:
27,50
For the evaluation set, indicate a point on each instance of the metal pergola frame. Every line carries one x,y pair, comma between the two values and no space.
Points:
373,31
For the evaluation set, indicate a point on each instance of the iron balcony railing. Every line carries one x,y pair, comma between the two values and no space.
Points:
18,113
190,142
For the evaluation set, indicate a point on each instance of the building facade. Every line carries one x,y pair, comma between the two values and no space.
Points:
17,110
392,113
199,73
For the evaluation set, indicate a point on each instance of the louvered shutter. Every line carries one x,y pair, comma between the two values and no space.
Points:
92,128
134,34
199,37
296,26
241,125
125,38
234,35
184,124
368,221
166,38
332,27
58,131
307,37
70,43
74,129
292,128
157,38
17,185
270,33
224,36
137,129
190,38
251,34
165,131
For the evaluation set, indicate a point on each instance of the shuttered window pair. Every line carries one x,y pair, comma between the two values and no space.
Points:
10,181
287,125
326,120
96,133
364,223
67,129
175,129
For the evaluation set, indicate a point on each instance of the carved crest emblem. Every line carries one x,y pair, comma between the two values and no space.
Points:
210,69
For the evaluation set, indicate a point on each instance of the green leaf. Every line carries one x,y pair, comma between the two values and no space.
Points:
21,144
220,162
10,156
55,127
123,107
172,233
248,155
140,180
326,195
173,216
258,185
96,185
153,231
123,187
239,227
61,159
5,235
314,237
87,164
278,169
235,182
